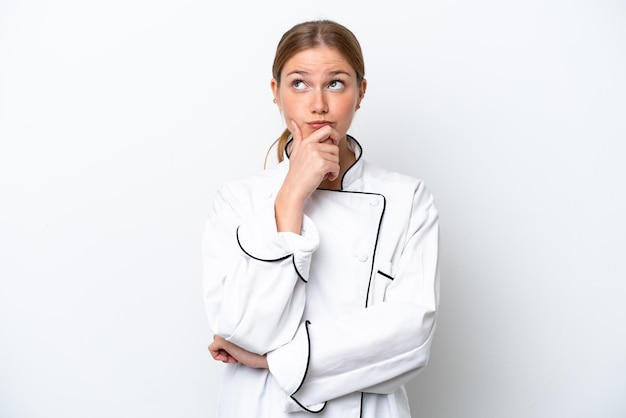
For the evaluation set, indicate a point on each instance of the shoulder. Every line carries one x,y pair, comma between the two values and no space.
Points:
251,190
409,204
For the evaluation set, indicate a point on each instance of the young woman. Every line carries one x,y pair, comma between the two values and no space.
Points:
321,279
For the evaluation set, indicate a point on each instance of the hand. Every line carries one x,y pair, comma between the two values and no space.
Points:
312,160
227,352
218,350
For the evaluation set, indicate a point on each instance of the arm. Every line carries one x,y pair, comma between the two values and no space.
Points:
378,348
311,162
256,255
254,277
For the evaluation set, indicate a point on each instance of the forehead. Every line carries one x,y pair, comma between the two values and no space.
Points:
320,59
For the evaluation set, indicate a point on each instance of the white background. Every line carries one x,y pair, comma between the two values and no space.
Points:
119,119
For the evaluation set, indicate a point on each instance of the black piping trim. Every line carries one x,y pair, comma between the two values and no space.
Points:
308,361
307,409
361,412
293,260
355,161
257,258
287,146
353,192
369,284
385,275
380,222
308,358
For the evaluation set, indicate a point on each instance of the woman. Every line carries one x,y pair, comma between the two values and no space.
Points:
321,279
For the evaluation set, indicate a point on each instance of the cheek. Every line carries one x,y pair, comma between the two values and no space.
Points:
290,106
347,108
289,115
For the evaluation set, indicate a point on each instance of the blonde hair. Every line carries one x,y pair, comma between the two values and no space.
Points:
312,34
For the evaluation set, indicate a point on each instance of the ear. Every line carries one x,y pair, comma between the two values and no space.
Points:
361,93
274,87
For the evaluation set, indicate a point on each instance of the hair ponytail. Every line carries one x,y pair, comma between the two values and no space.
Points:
280,143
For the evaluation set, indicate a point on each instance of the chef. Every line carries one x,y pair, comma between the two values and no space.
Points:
321,280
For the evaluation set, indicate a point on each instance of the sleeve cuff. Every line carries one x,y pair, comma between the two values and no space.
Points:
289,364
258,238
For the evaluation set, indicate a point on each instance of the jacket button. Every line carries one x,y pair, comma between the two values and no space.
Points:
361,257
374,201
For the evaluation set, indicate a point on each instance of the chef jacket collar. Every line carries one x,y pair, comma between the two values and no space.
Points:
352,176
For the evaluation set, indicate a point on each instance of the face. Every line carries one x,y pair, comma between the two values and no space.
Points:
318,87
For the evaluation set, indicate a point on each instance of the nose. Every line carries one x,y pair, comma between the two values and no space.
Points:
319,103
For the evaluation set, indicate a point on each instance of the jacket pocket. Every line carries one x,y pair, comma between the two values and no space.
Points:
380,283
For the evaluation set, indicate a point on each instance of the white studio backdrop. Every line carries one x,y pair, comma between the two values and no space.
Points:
119,120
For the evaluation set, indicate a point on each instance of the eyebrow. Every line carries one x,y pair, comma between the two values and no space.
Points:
332,73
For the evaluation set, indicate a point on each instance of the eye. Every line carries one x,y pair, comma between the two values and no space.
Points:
298,84
336,85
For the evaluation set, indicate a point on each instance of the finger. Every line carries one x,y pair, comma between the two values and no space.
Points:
332,175
328,154
224,357
328,150
219,354
215,352
326,134
296,132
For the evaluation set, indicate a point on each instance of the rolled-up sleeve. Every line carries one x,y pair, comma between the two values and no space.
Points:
254,277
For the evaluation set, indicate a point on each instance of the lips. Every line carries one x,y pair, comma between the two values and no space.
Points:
318,124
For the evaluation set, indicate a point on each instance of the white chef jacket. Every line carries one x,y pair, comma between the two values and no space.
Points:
345,311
